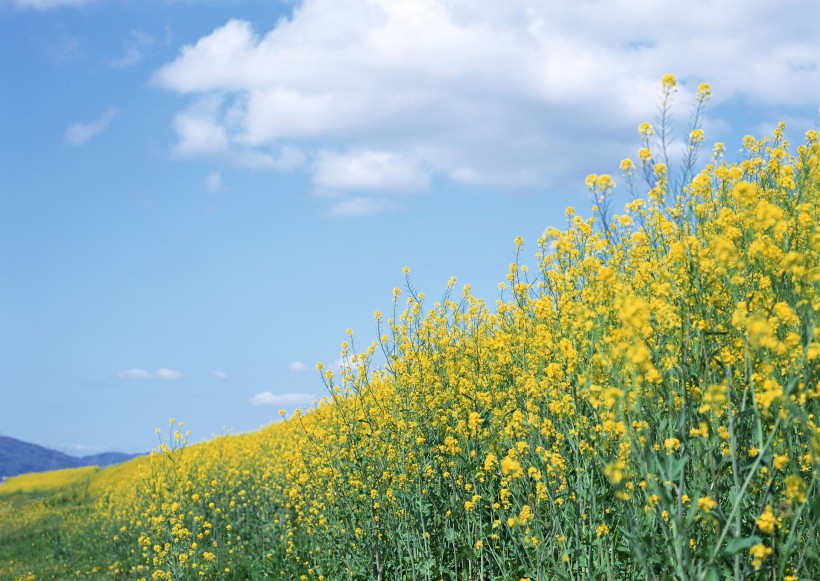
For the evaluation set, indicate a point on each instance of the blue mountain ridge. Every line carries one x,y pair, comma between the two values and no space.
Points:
18,457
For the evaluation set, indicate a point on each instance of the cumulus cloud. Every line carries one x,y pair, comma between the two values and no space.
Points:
283,400
161,373
378,97
199,130
79,133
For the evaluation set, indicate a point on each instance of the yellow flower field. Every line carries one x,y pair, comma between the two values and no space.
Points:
48,481
641,403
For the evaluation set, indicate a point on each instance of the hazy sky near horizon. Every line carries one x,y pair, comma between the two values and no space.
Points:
198,198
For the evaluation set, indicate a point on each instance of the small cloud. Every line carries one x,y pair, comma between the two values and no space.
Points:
67,50
82,449
167,374
133,50
284,400
161,373
135,374
79,133
214,181
220,375
297,367
360,206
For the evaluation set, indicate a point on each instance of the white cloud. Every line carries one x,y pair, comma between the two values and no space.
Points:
220,375
161,373
199,129
168,374
284,400
214,181
79,133
368,171
82,449
380,96
297,367
133,50
135,374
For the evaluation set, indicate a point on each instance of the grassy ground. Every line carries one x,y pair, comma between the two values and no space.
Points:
39,533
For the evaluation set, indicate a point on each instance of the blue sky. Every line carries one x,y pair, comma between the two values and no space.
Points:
198,198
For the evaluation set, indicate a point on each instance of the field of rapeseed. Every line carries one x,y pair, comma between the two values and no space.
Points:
642,403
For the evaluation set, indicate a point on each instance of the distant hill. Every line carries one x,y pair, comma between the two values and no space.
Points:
17,457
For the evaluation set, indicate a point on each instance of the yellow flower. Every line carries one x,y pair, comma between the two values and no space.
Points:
706,503
766,521
525,514
780,461
795,488
669,81
759,553
671,445
511,467
604,182
696,136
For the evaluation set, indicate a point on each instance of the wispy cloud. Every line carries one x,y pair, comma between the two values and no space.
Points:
221,375
512,95
283,400
79,133
352,205
82,449
133,50
161,373
136,374
66,50
214,181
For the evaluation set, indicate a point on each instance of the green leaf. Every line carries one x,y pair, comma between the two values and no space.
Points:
740,544
674,473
